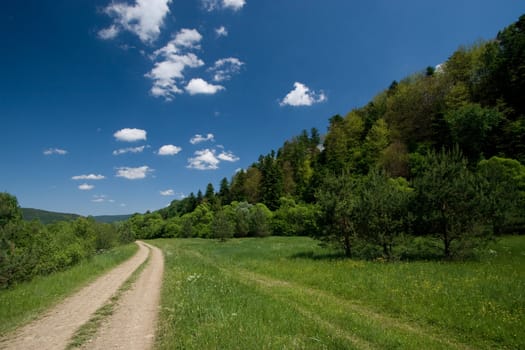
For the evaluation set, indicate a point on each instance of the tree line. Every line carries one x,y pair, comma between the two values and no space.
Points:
434,159
28,249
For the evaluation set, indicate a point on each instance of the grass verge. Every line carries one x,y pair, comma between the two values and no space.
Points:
90,328
24,302
281,292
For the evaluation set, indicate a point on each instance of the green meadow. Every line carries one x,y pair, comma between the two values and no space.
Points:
290,293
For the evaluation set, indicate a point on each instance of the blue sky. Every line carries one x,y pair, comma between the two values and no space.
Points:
115,106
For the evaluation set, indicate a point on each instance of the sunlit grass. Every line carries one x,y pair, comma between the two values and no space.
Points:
22,303
290,293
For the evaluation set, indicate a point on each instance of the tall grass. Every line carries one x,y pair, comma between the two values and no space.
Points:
252,293
23,302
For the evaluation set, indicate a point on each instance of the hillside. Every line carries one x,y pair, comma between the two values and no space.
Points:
49,217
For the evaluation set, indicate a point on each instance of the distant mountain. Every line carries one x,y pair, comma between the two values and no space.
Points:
49,217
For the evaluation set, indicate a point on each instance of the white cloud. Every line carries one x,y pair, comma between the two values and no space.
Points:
128,150
130,135
169,150
198,138
173,61
144,18
302,96
221,31
224,68
233,4
88,177
204,160
200,86
58,151
188,38
211,5
168,192
228,156
108,33
100,198
86,187
133,173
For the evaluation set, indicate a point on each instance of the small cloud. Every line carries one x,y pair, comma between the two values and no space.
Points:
204,160
200,86
302,96
198,138
221,31
228,156
144,18
133,173
99,198
51,151
88,177
130,135
86,187
168,192
234,5
128,150
108,33
225,68
169,150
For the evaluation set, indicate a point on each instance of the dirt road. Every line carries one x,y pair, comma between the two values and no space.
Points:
56,327
132,325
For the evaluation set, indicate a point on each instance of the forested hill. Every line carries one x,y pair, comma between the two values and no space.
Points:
49,217
437,154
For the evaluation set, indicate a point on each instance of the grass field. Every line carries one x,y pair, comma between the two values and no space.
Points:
289,293
25,301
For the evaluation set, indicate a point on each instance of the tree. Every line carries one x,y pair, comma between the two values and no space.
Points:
470,125
339,208
260,217
447,200
224,192
222,226
9,209
384,210
503,186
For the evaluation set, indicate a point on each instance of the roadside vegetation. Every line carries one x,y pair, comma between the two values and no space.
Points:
26,300
288,292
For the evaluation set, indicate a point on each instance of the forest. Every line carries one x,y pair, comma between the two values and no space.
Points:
432,167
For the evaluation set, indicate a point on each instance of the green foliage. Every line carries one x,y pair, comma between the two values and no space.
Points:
470,125
29,249
447,198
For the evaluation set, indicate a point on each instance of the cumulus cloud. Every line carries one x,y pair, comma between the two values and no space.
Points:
235,5
120,151
88,177
198,138
144,18
133,173
86,187
51,151
228,156
169,150
224,68
130,135
171,62
301,95
204,160
200,86
221,31
168,192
